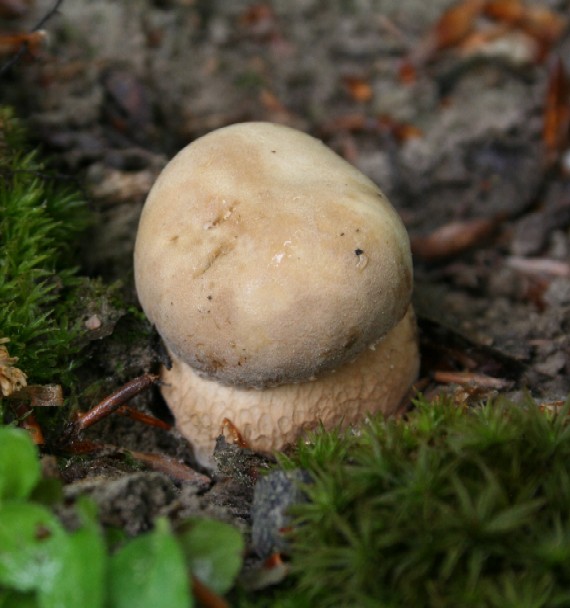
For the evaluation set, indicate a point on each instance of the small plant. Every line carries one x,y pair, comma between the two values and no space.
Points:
44,565
447,507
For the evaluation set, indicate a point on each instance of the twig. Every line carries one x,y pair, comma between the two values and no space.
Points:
114,401
206,596
24,46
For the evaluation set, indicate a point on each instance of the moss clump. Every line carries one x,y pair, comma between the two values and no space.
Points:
39,225
448,507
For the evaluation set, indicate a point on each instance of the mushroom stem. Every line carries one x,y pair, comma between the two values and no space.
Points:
269,419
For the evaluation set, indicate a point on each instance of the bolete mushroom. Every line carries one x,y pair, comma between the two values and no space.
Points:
279,278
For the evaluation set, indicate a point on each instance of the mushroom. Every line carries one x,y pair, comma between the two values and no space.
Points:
280,279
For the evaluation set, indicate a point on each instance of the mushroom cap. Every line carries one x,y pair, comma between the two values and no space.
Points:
272,418
263,258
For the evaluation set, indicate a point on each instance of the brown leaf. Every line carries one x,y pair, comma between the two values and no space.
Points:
407,71
12,379
28,421
358,88
33,42
260,22
272,103
400,131
544,25
556,126
452,27
47,395
509,11
453,238
455,24
352,123
272,572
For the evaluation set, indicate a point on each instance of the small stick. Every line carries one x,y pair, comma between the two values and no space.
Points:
114,401
471,379
206,596
173,468
147,419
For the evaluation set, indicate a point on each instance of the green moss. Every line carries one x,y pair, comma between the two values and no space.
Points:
448,507
39,226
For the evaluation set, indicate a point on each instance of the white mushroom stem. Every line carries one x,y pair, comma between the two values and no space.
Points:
271,418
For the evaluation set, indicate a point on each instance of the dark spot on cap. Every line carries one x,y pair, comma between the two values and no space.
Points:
359,251
352,339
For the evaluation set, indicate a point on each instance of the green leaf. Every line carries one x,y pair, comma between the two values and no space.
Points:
36,554
30,540
149,572
14,599
19,464
84,558
214,552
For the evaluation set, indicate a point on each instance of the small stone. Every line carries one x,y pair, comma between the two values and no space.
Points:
273,496
93,323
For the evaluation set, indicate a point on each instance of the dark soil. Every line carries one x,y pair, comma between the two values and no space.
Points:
124,84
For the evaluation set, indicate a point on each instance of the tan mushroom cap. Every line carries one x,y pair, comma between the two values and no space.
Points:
263,258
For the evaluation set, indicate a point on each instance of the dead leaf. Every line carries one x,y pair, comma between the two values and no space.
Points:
453,238
272,572
12,379
352,123
407,72
47,395
261,23
28,422
32,42
556,126
544,25
270,101
400,131
358,88
508,11
502,41
452,27
456,23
